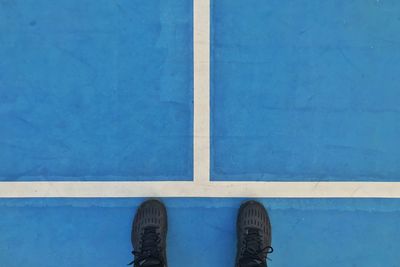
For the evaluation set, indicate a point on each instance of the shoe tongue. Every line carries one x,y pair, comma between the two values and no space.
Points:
251,263
150,262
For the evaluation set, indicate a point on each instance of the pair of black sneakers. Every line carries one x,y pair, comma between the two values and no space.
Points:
149,234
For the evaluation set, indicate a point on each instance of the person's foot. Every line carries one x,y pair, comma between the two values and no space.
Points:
149,234
254,235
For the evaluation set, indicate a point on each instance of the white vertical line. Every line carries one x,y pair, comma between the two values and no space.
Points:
201,120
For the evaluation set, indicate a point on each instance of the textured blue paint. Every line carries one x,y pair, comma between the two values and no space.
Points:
305,90
102,90
96,232
96,90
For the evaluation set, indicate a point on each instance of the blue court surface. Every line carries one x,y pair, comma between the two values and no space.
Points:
96,232
305,90
96,90
103,90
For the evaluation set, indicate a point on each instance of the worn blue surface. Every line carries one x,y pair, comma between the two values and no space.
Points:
96,232
305,90
102,90
96,90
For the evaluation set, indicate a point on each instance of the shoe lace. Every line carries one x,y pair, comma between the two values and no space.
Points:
149,254
254,254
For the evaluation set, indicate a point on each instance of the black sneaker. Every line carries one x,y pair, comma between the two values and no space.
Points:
149,234
254,235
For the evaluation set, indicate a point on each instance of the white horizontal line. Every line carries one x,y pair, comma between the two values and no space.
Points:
190,189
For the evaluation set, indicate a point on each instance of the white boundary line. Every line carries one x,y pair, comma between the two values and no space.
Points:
201,185
190,189
201,113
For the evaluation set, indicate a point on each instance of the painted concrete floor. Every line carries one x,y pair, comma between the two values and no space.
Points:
102,90
96,232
